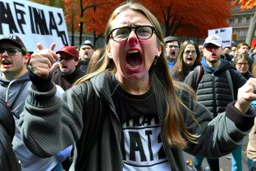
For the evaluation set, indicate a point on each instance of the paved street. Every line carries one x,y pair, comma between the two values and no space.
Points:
225,163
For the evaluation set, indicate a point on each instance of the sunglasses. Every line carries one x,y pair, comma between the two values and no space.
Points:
65,59
10,51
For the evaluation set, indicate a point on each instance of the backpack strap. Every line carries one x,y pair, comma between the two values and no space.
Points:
6,119
230,83
198,74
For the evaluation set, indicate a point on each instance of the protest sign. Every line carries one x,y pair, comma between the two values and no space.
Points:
33,23
224,33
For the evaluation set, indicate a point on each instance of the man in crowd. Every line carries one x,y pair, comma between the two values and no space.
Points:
243,49
171,49
226,54
200,48
216,86
68,71
14,82
85,52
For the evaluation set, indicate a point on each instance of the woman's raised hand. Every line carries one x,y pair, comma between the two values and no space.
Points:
42,59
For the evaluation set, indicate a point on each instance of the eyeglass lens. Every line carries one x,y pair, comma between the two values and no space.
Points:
142,32
187,52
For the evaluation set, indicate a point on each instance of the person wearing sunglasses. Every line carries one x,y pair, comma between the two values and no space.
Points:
217,87
130,115
68,72
14,84
187,59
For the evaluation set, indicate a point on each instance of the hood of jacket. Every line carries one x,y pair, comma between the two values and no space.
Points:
103,86
223,66
13,85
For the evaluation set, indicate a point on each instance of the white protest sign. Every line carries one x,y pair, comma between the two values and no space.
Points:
224,33
33,23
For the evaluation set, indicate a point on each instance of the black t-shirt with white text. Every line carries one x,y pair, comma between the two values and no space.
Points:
142,146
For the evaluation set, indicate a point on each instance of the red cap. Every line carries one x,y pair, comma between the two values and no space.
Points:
70,50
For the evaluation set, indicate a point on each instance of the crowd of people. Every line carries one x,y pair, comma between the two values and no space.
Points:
135,104
215,73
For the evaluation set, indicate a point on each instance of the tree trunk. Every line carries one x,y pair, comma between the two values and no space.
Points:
251,30
73,26
72,33
81,32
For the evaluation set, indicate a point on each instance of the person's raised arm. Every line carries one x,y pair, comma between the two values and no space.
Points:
246,94
39,67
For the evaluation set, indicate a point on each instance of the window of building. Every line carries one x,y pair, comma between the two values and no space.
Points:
247,20
239,21
242,32
231,21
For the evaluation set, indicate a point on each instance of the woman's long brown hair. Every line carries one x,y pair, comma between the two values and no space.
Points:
174,124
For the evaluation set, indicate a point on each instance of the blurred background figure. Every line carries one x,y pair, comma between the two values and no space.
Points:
68,72
253,52
172,46
226,54
251,146
96,60
187,59
85,52
243,49
233,50
241,62
200,48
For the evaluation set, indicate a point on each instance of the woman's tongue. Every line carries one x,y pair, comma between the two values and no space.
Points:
189,61
133,60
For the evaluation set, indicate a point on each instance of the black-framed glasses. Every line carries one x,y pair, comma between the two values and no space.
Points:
122,33
187,52
10,51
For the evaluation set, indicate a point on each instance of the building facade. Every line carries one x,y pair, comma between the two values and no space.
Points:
240,21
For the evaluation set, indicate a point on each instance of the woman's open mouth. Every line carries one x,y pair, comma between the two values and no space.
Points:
133,59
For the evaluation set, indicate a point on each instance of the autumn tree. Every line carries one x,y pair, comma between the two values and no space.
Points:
53,3
190,18
181,18
45,2
92,15
96,18
248,4
70,11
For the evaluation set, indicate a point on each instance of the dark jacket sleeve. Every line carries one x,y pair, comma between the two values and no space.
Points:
216,136
58,121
